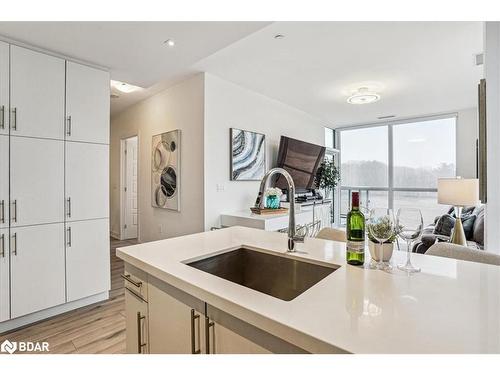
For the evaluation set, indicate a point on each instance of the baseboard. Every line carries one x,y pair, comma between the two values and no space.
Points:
116,236
25,320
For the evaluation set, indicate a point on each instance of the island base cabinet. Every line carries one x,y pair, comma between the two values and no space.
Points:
137,338
175,327
225,341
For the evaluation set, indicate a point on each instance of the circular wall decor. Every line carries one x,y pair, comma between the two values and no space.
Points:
169,181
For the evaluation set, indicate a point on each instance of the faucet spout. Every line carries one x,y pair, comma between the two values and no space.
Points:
259,203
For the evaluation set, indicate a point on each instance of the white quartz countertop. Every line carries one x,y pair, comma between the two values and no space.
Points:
450,307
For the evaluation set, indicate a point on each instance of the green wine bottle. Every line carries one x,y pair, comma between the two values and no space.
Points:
355,233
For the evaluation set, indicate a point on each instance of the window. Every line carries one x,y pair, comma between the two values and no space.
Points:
397,164
423,151
329,138
364,157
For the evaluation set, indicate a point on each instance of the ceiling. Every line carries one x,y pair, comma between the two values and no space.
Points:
134,52
416,67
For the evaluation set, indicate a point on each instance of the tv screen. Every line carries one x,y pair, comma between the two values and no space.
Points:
300,159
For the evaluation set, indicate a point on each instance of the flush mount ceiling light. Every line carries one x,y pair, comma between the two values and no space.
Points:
124,87
169,42
363,96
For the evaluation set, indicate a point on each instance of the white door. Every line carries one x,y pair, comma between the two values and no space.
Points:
130,218
4,181
87,258
4,275
87,181
136,320
37,268
4,88
36,94
36,181
87,104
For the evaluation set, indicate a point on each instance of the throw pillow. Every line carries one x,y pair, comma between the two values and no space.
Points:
468,224
446,223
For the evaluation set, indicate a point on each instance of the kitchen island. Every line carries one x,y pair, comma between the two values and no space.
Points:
173,307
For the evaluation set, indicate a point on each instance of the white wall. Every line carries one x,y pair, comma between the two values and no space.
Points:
492,75
179,107
467,133
228,105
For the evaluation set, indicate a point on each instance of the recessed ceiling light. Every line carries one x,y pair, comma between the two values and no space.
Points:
169,42
279,36
363,96
124,87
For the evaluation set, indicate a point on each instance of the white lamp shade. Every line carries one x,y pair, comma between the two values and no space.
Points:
458,191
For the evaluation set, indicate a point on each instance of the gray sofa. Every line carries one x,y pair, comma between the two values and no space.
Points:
439,231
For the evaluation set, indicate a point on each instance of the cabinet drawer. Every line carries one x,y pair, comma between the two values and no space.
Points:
136,281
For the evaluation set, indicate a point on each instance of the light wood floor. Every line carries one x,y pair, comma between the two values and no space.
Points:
99,328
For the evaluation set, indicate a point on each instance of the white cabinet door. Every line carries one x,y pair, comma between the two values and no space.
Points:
87,258
4,275
136,313
36,181
37,268
87,181
4,181
172,324
36,94
4,88
87,104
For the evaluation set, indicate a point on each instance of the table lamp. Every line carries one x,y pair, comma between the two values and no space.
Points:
458,192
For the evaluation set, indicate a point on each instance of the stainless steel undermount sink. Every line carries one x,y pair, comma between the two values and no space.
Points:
278,276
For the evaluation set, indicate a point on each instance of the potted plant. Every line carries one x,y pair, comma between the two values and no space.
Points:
387,246
273,197
327,177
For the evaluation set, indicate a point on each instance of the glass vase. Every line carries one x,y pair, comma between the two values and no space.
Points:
273,202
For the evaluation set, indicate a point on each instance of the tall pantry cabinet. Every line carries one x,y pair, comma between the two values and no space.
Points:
54,209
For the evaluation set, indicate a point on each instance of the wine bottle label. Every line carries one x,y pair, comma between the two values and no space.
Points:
357,246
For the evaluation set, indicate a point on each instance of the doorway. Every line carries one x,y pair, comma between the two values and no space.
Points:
129,211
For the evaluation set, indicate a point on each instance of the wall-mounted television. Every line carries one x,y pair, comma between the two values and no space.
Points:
300,159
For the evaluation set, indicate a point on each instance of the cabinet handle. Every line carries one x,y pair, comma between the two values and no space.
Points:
13,118
14,246
14,211
2,117
208,325
140,344
69,237
194,317
68,127
2,211
69,207
2,244
129,279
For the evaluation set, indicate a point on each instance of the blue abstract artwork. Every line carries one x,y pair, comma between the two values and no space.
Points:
248,155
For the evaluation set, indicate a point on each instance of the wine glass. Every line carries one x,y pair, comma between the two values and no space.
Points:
381,227
409,224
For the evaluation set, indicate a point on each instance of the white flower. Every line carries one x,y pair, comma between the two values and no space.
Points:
273,191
